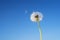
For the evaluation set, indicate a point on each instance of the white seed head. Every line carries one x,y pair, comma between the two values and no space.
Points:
36,16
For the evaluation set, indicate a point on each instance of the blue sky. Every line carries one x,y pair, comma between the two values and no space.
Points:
15,23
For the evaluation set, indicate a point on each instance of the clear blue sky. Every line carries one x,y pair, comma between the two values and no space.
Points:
15,23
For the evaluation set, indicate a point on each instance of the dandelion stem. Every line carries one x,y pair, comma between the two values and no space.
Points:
40,30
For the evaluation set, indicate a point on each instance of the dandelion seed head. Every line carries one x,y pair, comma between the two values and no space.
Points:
36,16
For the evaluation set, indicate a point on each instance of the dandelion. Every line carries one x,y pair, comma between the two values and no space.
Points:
37,17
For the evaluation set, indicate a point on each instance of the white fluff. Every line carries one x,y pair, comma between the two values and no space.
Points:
34,14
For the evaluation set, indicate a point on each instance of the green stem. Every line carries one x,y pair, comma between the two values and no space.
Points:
40,30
